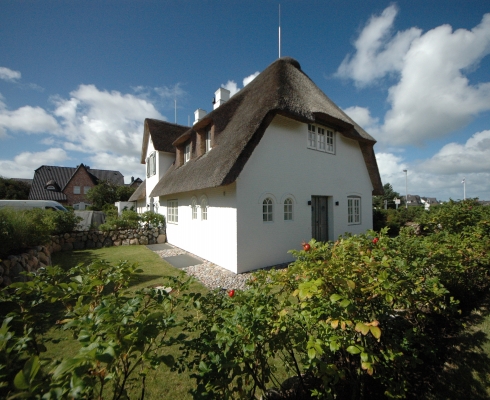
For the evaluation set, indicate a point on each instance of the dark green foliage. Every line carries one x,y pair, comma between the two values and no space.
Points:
128,220
106,192
388,195
153,219
124,192
10,189
394,219
20,229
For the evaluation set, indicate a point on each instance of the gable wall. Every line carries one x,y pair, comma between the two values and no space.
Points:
282,165
81,178
214,239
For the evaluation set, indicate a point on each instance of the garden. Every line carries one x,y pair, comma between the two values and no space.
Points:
367,316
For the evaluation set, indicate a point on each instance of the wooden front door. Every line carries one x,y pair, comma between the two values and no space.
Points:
319,218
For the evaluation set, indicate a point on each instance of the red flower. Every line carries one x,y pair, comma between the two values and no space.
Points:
375,240
231,292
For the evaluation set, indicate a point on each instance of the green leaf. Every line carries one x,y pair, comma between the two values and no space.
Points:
353,350
344,303
107,356
168,360
311,353
362,328
376,332
335,297
351,284
20,381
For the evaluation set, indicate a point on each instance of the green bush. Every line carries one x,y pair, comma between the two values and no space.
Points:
153,219
394,220
128,220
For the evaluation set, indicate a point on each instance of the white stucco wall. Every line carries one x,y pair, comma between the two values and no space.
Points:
281,166
163,163
214,239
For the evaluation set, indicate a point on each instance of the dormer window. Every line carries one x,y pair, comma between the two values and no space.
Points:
321,139
208,140
187,152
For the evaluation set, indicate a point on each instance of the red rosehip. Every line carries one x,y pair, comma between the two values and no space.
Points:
306,247
375,240
231,292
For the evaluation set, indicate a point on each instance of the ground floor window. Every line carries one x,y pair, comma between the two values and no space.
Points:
173,211
288,209
204,209
194,208
354,210
267,210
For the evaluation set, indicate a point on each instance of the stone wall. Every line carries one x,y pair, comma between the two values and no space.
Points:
40,256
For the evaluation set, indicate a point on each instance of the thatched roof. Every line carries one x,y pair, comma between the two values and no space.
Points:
239,124
162,134
139,193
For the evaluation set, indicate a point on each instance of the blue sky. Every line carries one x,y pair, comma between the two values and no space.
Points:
78,78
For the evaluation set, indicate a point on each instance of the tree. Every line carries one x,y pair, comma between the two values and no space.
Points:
11,189
389,195
106,192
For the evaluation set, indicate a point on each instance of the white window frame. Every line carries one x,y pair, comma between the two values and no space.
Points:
354,210
76,190
194,208
86,189
187,153
288,209
321,139
151,165
267,210
204,209
207,138
173,211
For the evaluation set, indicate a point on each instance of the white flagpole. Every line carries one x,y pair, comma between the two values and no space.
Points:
279,31
464,188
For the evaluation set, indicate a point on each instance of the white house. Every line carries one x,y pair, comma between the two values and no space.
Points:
275,165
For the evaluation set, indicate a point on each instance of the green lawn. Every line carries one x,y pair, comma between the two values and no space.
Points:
162,383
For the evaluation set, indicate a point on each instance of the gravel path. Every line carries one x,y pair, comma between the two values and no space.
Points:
211,275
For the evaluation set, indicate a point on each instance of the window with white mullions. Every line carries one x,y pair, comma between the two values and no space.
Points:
311,136
173,211
288,209
330,144
187,152
204,209
194,208
208,140
267,210
354,210
321,139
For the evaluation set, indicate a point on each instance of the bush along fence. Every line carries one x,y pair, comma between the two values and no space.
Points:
12,266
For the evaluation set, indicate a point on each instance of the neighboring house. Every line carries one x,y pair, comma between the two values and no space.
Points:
428,201
69,185
134,182
413,200
276,164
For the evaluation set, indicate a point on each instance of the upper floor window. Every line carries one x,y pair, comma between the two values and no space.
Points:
151,165
354,210
267,210
86,189
208,140
288,209
321,139
173,211
204,209
187,152
76,189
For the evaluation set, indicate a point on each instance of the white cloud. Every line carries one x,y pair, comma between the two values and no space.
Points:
362,116
432,96
377,52
250,78
232,87
27,119
127,165
7,74
455,158
98,121
25,163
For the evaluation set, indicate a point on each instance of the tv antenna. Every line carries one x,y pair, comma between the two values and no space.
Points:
279,30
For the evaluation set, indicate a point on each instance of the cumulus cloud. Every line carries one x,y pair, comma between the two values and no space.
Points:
432,96
27,119
378,52
455,158
232,86
25,163
7,74
250,78
99,121
127,165
363,117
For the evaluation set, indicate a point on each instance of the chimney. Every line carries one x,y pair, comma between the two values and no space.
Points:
132,179
221,96
198,115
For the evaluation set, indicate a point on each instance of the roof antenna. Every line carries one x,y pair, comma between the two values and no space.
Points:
279,30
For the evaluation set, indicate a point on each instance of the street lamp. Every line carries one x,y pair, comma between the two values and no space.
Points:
406,187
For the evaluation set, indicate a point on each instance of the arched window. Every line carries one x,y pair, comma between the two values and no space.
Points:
288,209
267,210
194,208
204,209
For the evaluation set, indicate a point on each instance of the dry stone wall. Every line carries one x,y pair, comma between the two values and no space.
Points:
11,267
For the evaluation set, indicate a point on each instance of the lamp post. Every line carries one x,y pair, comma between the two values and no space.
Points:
406,187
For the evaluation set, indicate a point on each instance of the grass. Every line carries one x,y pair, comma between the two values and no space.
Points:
161,383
